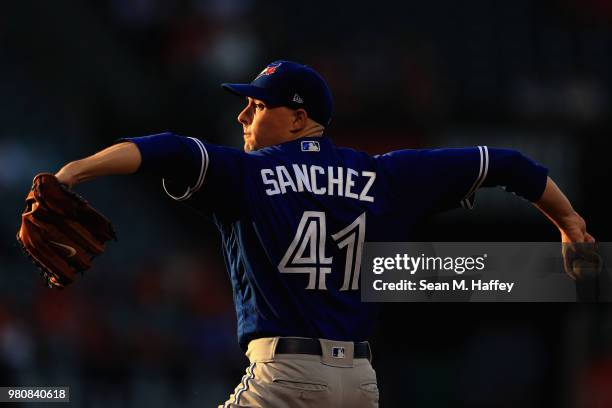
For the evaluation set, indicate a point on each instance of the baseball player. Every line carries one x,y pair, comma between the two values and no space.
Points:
294,210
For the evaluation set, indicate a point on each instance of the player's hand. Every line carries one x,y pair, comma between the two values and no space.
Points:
66,175
573,230
580,257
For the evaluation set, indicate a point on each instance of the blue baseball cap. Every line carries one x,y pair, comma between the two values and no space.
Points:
286,83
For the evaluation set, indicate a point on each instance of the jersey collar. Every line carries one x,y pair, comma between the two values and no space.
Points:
307,144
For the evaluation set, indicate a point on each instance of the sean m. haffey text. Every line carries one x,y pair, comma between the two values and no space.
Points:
412,264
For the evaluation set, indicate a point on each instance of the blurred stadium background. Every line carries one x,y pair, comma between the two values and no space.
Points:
153,324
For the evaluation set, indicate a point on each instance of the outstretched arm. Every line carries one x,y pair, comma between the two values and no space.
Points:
555,205
525,177
122,158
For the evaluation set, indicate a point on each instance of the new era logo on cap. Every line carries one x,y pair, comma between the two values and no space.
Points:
311,146
297,98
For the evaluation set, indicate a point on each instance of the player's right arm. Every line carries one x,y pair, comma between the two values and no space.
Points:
558,209
443,178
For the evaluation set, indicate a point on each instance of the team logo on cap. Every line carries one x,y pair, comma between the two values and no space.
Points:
311,146
269,70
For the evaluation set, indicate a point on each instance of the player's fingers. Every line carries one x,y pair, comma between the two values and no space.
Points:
569,269
568,252
589,238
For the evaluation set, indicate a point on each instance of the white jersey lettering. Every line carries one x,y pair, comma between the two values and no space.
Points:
301,177
350,183
331,180
267,181
364,193
338,181
284,179
313,179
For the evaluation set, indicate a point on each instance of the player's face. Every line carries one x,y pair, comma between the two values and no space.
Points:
263,126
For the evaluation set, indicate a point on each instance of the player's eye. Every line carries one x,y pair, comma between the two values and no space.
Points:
260,106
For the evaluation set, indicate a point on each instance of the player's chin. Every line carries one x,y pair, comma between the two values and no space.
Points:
249,145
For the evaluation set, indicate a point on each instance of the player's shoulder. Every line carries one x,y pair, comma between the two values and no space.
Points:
400,154
351,152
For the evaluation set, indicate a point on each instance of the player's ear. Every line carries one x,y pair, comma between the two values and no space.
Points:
300,120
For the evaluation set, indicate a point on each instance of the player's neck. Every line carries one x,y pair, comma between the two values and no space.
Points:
313,129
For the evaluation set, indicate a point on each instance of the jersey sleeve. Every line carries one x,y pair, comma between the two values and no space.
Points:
443,179
202,174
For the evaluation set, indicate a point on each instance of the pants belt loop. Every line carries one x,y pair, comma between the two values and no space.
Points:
262,349
273,348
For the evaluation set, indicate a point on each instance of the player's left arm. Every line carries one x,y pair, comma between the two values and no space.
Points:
189,167
122,158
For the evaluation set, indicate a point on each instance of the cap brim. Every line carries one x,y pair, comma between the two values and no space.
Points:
248,90
255,92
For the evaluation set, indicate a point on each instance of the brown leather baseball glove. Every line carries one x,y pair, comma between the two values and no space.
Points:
60,231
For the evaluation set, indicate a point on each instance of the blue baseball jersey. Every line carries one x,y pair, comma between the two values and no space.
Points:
293,217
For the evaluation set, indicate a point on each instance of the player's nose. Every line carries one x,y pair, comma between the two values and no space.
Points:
245,116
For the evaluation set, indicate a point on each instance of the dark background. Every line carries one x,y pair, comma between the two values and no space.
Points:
153,323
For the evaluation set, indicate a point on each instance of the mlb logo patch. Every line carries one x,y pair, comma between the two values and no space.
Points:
311,146
338,352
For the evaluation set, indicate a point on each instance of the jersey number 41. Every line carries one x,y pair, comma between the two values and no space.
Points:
306,254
